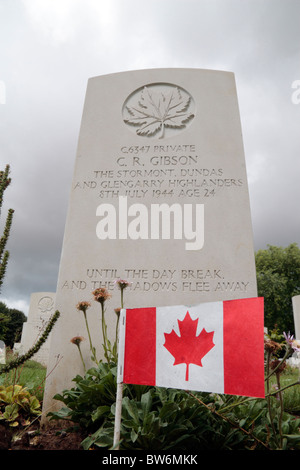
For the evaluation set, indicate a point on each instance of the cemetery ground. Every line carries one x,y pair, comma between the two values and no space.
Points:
154,419
26,433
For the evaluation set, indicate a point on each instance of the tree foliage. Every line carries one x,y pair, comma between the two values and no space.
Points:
278,280
34,349
4,320
11,323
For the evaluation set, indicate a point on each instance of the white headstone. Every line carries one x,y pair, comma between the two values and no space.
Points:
2,352
159,197
41,308
296,313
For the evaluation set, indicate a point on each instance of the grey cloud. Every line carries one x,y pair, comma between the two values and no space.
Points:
47,60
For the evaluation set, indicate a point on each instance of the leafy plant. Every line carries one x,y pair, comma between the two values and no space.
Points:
279,420
160,419
152,418
261,422
31,375
17,405
96,389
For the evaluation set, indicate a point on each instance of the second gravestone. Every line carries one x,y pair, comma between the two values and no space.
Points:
159,198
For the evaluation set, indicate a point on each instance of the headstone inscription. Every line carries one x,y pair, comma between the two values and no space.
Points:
159,197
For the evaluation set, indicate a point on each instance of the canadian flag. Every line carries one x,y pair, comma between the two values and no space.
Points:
211,347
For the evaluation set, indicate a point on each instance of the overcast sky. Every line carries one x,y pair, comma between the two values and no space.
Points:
49,49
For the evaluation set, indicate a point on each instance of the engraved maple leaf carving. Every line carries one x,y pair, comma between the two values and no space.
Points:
188,348
156,110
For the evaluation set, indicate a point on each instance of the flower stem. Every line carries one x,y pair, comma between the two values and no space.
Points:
79,349
104,333
281,410
122,301
93,350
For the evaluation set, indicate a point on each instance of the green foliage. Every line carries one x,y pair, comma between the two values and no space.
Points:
4,320
152,418
17,405
30,353
278,280
291,397
96,389
21,392
163,419
159,419
30,375
11,324
266,428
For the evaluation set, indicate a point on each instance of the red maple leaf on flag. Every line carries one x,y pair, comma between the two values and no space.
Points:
188,348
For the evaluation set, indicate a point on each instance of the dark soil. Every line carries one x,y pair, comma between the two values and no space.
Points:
48,438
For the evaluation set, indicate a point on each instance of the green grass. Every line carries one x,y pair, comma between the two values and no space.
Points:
31,375
291,396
